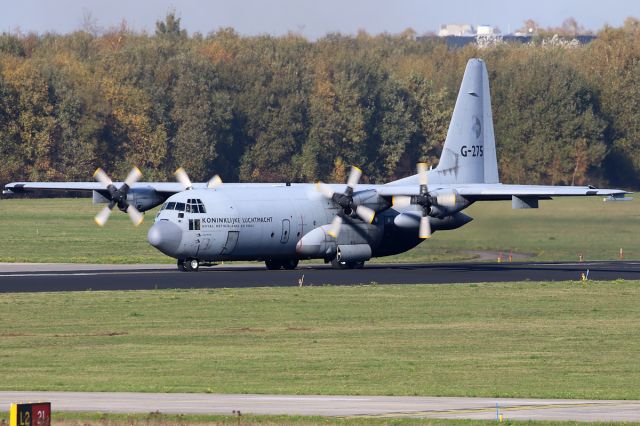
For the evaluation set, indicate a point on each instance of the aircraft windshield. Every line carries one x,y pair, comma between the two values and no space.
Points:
193,205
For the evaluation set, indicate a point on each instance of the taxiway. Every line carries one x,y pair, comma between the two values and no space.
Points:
335,406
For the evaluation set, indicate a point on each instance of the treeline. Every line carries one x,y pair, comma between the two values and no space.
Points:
287,109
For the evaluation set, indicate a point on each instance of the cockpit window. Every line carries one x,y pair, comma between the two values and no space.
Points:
195,205
171,206
180,207
164,206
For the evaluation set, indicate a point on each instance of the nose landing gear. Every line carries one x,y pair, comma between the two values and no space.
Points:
188,265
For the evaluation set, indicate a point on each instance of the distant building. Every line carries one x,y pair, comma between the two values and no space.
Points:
487,30
457,30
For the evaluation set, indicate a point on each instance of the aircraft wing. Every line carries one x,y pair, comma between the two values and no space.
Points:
167,188
492,192
20,187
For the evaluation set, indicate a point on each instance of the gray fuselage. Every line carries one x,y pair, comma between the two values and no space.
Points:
270,222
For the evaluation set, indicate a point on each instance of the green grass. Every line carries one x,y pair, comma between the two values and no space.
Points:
105,419
62,230
547,340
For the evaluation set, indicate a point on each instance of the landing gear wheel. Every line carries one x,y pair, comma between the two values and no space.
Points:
290,264
358,265
189,265
273,265
336,264
181,265
194,264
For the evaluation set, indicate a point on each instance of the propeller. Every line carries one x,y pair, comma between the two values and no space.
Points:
424,200
182,177
118,196
345,200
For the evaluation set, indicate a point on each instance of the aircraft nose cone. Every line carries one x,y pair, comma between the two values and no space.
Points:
165,236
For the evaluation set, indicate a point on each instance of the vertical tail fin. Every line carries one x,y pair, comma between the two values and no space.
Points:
469,153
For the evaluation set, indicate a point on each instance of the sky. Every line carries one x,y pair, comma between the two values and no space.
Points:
310,18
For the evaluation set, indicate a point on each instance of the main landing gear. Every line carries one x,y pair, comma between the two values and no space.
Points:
188,265
337,264
276,264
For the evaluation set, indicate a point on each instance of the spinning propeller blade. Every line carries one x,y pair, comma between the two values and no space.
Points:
135,216
132,177
102,177
425,228
117,196
214,182
336,224
103,215
345,200
365,213
183,178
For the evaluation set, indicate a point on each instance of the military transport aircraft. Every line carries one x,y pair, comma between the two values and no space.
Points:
202,223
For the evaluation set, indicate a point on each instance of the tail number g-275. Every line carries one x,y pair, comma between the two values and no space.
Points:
472,151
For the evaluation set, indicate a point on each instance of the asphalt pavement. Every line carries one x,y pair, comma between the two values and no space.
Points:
144,277
334,405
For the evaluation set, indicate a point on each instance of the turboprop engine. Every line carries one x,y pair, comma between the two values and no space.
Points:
448,202
142,198
411,219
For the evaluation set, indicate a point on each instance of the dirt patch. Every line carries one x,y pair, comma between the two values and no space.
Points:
494,255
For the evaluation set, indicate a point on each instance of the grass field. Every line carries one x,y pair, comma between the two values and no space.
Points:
103,419
62,230
547,340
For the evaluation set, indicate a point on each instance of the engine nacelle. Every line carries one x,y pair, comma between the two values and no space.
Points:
447,203
411,220
353,253
370,198
145,198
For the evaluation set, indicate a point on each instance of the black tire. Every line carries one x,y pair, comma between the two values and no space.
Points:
336,264
347,265
193,265
181,265
358,265
273,265
290,264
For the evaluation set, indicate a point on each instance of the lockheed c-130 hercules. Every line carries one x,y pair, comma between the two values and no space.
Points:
202,223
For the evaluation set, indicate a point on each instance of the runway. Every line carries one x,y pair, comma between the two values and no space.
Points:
334,406
142,277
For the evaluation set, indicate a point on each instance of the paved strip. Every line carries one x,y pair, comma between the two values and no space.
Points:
340,406
6,267
257,276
